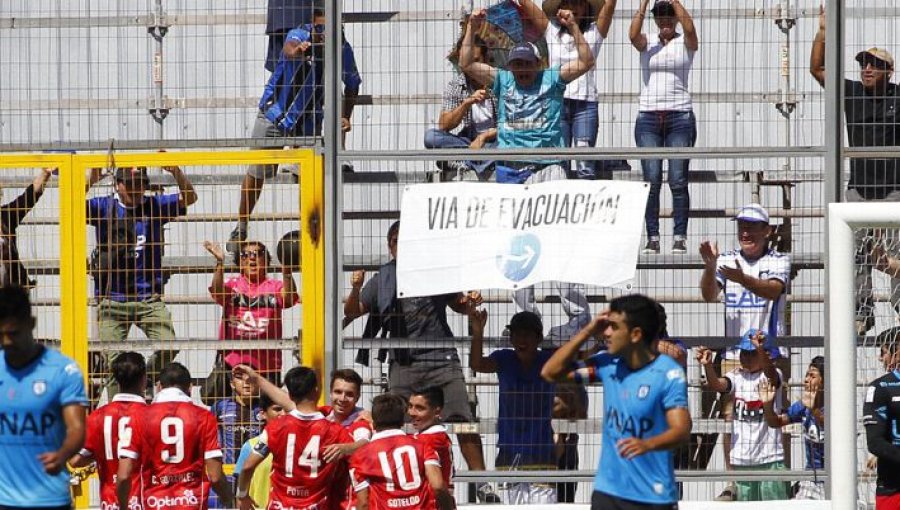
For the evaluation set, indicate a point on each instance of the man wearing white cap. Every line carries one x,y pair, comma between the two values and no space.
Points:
753,280
871,107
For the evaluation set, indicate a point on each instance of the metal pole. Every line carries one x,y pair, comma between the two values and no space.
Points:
333,207
837,264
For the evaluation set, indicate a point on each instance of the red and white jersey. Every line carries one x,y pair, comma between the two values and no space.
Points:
172,441
300,479
437,439
359,429
108,428
392,468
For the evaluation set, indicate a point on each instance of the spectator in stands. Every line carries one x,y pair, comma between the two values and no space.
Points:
881,417
281,17
530,116
471,107
525,435
810,412
580,118
129,279
870,107
260,482
754,444
239,418
419,318
292,105
665,114
753,280
252,307
12,271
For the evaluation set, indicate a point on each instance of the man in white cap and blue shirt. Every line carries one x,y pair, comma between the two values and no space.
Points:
753,280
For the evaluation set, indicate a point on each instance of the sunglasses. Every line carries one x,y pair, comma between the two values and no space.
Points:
876,63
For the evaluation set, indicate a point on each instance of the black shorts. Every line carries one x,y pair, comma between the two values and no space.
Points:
601,501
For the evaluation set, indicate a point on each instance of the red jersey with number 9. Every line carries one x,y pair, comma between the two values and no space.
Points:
172,442
392,467
300,476
108,428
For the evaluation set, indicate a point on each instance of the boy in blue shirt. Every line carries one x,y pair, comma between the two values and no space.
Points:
645,405
42,410
526,403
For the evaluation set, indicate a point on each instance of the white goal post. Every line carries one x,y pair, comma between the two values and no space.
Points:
840,342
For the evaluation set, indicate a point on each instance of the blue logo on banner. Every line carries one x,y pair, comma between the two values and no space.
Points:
523,253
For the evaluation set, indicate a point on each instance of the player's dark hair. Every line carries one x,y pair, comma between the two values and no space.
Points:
302,384
819,364
14,304
349,375
640,312
129,369
265,402
889,339
393,230
175,374
663,321
434,395
388,411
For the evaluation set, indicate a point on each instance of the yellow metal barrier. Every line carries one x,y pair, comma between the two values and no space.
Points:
74,310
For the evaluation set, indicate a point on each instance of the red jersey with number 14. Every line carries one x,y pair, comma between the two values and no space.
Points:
108,428
172,442
392,467
300,478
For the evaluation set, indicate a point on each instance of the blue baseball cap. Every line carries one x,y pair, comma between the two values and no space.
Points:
746,342
523,51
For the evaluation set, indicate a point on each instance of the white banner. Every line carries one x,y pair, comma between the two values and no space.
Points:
469,236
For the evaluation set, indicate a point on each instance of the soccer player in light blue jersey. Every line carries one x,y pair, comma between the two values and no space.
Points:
645,405
42,409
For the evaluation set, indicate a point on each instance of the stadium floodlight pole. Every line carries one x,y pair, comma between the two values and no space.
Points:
841,483
333,183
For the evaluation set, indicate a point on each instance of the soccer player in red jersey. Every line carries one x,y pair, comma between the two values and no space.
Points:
110,426
176,443
394,470
300,476
424,409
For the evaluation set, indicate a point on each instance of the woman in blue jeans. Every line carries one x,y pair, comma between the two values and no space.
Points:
665,114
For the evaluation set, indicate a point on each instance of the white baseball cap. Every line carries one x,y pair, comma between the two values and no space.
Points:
752,212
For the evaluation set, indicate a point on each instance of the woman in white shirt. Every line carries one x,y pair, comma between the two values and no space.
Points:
665,115
580,118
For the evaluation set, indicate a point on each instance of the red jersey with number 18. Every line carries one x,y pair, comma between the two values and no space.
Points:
392,467
172,442
108,428
300,478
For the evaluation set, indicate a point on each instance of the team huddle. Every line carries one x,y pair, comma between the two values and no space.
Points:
167,454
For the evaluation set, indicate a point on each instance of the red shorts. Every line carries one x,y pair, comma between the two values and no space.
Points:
891,502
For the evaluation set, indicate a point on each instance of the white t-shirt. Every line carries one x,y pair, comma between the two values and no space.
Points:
744,309
664,76
752,441
482,116
561,50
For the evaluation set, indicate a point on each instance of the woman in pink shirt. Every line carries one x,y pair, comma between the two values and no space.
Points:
252,304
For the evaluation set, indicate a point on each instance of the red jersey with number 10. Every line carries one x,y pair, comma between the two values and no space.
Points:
392,467
300,478
108,428
172,442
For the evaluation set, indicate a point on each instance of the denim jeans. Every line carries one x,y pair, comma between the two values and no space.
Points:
439,139
580,121
666,129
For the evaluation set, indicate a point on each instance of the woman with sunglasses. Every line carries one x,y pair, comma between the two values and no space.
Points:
252,305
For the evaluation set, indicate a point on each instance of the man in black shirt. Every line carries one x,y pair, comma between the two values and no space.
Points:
413,369
881,417
871,108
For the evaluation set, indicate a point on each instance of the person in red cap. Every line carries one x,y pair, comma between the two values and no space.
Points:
870,108
127,264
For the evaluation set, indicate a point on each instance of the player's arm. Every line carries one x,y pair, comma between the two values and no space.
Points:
218,481
877,423
679,421
362,499
477,361
558,367
265,386
258,453
80,460
672,350
123,479
73,417
334,452
436,480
